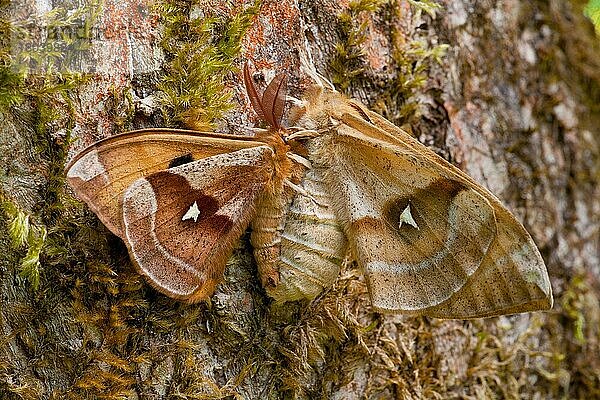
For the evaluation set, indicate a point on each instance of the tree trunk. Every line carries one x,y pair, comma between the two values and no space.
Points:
508,91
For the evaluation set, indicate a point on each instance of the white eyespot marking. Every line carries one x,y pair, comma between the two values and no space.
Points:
192,213
406,217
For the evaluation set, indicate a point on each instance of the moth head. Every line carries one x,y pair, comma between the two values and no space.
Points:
302,114
321,105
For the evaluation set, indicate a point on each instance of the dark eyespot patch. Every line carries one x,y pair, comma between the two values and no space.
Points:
184,159
174,195
435,198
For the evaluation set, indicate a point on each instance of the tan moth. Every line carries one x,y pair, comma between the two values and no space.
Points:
431,241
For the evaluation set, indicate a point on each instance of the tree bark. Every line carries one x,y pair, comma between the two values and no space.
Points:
508,91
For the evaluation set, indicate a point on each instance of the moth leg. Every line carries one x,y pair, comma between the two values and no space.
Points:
303,192
295,128
295,101
299,159
303,134
258,130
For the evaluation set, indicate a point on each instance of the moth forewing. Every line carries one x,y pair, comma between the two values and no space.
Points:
103,171
513,251
139,183
469,256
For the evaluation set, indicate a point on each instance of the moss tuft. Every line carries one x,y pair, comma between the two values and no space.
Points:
200,51
412,62
346,64
592,11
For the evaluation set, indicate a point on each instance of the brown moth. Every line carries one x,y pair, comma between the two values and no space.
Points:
431,241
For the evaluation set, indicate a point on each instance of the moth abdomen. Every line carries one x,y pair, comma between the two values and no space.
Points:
312,246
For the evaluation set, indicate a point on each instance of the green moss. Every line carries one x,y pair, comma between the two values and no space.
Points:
412,62
346,65
121,100
573,304
428,6
592,11
200,51
24,235
573,366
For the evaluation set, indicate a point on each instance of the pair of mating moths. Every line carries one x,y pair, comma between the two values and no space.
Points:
431,241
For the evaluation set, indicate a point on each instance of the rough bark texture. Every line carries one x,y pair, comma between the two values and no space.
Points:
514,102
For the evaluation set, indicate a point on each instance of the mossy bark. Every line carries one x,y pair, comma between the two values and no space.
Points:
508,91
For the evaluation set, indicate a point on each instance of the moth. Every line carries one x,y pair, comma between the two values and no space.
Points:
430,240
